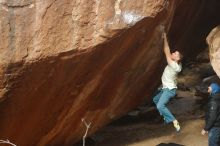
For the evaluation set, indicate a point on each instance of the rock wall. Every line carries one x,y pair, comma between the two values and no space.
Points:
213,40
64,61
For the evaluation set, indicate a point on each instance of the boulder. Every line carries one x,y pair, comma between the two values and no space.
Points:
213,41
64,61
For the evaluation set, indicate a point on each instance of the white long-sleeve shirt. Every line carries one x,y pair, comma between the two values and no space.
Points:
169,77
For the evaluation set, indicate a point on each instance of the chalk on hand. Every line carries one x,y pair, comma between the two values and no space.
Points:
162,28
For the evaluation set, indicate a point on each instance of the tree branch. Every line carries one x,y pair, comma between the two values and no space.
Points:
7,142
87,129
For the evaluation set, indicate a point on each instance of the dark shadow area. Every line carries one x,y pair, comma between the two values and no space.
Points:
200,17
142,129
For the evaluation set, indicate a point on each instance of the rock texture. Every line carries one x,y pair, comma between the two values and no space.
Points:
213,40
64,61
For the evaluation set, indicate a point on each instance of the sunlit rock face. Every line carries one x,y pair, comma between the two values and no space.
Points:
64,61
213,40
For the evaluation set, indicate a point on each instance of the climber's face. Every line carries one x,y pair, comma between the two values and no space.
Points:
176,56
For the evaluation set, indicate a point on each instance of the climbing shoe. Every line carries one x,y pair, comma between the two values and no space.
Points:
176,126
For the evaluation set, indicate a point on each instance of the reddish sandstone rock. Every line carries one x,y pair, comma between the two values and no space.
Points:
63,61
213,40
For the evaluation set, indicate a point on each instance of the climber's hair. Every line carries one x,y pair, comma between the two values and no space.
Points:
181,57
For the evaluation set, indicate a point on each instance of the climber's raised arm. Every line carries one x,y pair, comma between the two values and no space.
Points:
167,49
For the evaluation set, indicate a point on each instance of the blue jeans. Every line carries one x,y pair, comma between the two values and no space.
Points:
161,100
214,136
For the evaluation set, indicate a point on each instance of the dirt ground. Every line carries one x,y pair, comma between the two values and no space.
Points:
157,135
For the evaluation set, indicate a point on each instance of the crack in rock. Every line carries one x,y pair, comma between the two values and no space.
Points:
8,6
